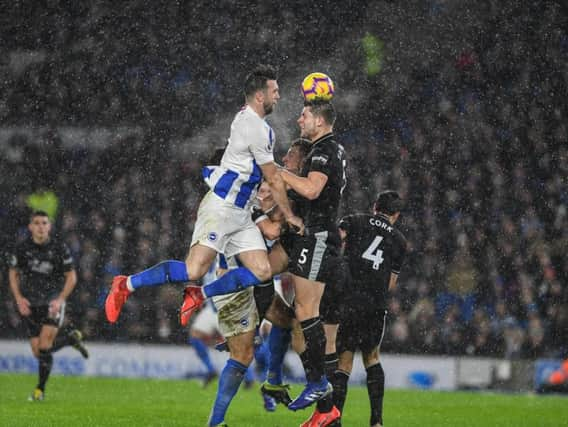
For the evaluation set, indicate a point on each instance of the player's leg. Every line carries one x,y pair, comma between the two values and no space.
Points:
209,238
375,385
249,247
262,359
33,326
278,259
45,341
254,271
70,337
370,350
278,341
341,378
199,259
353,325
238,319
246,243
241,350
263,296
326,413
308,295
330,364
310,264
281,316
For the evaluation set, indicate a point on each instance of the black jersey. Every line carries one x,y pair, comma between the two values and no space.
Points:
374,249
42,269
328,157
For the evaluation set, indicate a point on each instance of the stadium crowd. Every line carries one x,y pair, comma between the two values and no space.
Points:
475,139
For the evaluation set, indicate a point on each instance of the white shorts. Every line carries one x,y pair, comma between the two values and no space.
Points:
236,312
206,321
227,229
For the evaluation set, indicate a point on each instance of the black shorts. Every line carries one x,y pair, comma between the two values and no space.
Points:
361,328
40,316
336,287
312,257
263,295
287,241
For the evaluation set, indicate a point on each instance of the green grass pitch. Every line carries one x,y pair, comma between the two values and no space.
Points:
86,401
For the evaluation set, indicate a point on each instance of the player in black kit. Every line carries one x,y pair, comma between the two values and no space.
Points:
38,267
375,251
313,256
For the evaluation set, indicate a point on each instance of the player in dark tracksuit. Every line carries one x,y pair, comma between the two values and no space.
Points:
42,277
375,251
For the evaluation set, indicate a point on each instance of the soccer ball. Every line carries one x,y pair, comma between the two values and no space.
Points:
317,86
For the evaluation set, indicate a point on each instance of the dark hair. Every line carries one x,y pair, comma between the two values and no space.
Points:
216,157
322,108
38,213
303,146
388,202
257,79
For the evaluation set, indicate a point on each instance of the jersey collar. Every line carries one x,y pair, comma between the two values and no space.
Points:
322,138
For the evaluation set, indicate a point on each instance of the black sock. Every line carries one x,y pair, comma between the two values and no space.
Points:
376,390
45,364
340,384
326,404
62,340
331,362
314,336
306,363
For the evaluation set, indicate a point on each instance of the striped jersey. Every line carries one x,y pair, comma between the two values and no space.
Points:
251,144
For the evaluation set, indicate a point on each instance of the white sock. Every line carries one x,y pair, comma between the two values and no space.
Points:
129,284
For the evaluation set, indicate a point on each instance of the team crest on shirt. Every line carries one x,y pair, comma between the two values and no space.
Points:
212,236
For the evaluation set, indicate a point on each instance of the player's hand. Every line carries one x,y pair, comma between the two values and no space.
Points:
23,306
55,306
296,224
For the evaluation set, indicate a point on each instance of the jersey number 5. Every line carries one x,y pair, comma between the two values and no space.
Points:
303,256
374,254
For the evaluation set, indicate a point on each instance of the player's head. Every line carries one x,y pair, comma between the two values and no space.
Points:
261,88
39,226
293,159
388,203
317,119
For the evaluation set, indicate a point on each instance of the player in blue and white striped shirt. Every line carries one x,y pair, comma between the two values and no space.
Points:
224,224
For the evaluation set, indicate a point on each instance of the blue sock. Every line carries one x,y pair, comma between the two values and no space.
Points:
165,272
229,383
232,281
262,357
278,342
203,353
249,375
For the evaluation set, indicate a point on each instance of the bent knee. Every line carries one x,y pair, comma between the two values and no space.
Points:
263,272
244,357
196,269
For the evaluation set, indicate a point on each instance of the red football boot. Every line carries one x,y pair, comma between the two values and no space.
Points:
116,298
192,299
319,419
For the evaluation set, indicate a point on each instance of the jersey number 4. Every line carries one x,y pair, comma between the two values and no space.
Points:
374,254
